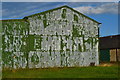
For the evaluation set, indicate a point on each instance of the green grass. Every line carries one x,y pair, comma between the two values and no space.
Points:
74,72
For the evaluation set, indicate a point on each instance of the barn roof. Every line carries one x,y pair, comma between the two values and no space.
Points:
13,20
60,8
110,42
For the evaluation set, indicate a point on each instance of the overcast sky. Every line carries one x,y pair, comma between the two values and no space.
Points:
103,12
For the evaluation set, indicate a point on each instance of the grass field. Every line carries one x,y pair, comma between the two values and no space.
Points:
74,72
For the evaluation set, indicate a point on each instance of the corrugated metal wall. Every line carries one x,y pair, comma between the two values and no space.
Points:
110,55
118,54
54,39
113,55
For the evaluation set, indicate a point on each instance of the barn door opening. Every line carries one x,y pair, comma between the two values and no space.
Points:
105,55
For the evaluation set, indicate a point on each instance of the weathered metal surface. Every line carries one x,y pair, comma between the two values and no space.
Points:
54,39
14,43
113,55
118,55
0,50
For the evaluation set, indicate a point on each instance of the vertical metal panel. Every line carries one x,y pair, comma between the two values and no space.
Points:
113,55
118,54
49,42
0,50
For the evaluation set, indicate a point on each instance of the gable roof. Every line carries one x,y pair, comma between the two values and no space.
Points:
14,20
60,8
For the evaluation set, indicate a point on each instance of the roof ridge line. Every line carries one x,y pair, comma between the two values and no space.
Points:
12,19
59,8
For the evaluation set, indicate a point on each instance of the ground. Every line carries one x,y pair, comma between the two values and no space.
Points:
104,70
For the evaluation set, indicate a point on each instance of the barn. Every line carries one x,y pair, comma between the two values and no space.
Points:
110,48
60,37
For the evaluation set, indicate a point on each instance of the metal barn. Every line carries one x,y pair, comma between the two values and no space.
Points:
61,37
110,48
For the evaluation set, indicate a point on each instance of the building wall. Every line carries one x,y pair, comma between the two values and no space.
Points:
14,43
0,50
111,45
54,39
118,54
109,55
114,55
63,38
